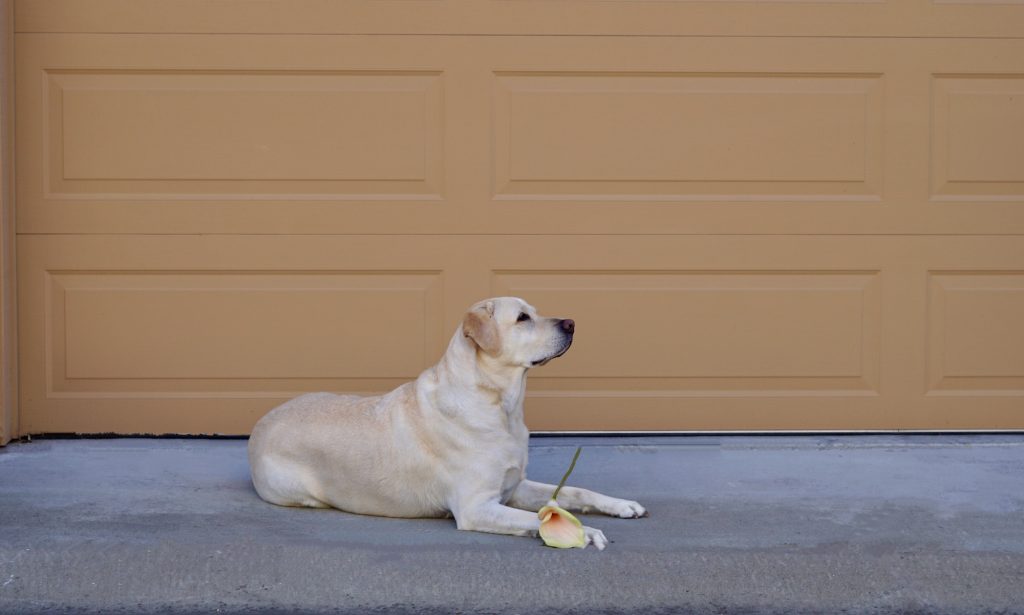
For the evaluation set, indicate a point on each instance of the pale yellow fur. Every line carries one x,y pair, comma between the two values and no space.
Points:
452,442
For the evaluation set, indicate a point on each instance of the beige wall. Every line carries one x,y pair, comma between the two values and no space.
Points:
754,228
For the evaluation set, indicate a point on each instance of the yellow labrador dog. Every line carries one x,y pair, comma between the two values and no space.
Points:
451,442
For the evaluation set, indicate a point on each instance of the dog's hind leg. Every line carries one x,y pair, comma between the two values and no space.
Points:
285,483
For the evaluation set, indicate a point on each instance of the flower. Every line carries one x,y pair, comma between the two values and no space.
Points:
559,528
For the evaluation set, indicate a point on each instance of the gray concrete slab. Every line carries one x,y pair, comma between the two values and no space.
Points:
871,524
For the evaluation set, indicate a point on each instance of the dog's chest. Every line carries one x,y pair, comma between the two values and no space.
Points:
515,471
508,486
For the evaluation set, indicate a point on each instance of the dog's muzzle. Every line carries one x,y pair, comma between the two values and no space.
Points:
568,328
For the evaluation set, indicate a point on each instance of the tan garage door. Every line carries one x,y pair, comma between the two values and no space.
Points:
767,215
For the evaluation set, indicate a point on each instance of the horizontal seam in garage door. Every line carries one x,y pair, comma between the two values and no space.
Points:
522,35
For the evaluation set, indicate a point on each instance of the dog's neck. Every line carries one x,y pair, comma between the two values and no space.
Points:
506,384
495,384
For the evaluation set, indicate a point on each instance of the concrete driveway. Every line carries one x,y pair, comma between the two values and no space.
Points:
802,524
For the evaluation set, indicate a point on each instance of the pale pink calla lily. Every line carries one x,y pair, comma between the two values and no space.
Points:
559,528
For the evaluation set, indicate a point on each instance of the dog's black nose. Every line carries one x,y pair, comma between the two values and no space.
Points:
568,325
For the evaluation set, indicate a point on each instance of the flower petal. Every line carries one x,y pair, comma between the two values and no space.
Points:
559,528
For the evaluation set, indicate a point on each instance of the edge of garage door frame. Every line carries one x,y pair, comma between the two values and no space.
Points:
8,358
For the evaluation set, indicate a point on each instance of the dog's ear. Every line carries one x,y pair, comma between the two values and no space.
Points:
479,326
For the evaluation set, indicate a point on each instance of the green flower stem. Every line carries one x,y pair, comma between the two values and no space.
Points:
566,477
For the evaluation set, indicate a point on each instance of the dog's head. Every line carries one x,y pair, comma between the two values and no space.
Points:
509,330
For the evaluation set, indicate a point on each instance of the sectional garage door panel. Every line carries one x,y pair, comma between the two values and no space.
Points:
205,135
204,334
980,18
493,135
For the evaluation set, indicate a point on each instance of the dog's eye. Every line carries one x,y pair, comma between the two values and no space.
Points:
523,317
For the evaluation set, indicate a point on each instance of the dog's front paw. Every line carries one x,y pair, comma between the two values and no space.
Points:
625,509
594,537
